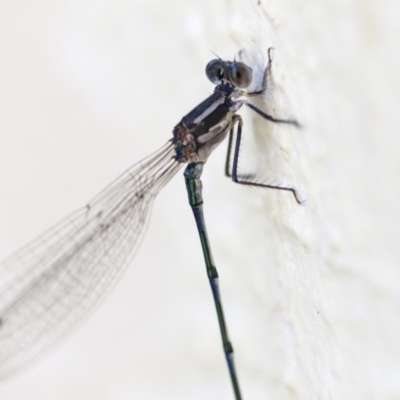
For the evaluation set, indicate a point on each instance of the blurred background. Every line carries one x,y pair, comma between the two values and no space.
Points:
311,292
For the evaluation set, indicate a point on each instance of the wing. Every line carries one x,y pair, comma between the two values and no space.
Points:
49,285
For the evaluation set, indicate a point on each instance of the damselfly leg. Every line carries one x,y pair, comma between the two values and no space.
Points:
233,172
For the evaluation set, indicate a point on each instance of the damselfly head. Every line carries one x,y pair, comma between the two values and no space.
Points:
237,73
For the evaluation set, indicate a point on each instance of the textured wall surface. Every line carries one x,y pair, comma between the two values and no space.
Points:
311,292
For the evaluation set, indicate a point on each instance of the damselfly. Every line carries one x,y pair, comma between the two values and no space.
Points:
53,282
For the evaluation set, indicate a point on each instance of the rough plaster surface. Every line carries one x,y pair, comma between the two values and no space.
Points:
311,291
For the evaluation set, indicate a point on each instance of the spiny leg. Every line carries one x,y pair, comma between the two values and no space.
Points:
194,188
265,77
269,117
238,179
262,91
228,159
228,154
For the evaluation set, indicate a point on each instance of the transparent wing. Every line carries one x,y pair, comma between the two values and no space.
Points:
49,285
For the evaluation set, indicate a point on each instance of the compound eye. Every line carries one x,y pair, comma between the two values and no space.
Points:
215,71
239,74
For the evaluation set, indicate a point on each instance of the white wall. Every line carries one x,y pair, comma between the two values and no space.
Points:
89,88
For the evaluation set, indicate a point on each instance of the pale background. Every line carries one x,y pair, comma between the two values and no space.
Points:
312,293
